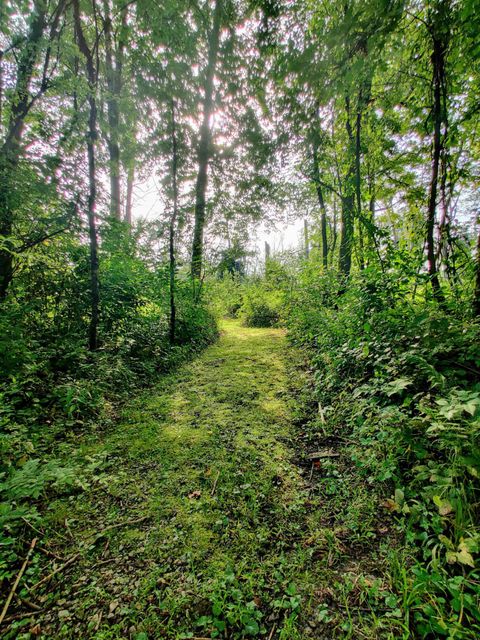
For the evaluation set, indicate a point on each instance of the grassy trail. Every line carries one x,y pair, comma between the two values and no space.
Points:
220,534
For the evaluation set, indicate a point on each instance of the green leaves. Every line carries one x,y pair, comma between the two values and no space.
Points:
32,479
463,553
396,386
459,403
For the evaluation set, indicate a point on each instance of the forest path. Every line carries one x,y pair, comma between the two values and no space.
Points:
198,521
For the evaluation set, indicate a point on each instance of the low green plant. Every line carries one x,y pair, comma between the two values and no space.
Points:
398,378
261,306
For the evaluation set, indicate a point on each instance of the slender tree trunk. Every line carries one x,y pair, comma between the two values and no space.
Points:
129,199
371,200
11,150
306,239
346,234
114,81
267,252
348,201
92,182
92,229
334,231
1,94
438,82
321,202
173,220
476,295
358,179
204,151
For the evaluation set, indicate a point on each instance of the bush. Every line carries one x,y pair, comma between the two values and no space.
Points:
398,377
261,306
225,296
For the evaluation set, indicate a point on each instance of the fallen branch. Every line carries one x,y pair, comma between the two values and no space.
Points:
21,616
49,553
28,603
360,608
322,454
121,524
42,533
215,485
17,580
54,573
270,635
77,555
320,413
32,527
103,562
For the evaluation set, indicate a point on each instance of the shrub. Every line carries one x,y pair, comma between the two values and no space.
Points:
398,377
225,296
261,306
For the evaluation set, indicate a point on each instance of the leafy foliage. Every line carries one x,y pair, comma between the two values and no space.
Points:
399,378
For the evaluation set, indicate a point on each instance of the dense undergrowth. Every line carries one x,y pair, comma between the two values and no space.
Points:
396,377
54,389
257,301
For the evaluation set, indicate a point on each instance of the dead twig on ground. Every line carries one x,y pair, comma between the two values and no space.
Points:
54,573
49,553
17,580
28,603
121,524
214,488
20,616
322,454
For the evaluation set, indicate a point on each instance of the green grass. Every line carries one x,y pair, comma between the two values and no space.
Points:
236,543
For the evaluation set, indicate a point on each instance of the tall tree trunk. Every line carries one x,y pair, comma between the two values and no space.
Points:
114,82
439,117
348,201
129,198
306,239
476,295
321,202
334,231
346,234
205,144
173,220
358,180
92,182
10,152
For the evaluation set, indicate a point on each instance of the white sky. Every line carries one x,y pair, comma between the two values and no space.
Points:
147,204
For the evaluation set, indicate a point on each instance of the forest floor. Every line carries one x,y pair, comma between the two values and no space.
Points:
202,515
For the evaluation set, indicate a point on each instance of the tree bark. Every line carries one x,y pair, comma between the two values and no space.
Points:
321,202
306,239
438,83
358,181
114,85
348,201
129,198
173,220
476,295
334,231
92,182
346,234
204,150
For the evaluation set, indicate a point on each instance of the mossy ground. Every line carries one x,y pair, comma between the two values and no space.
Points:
239,538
